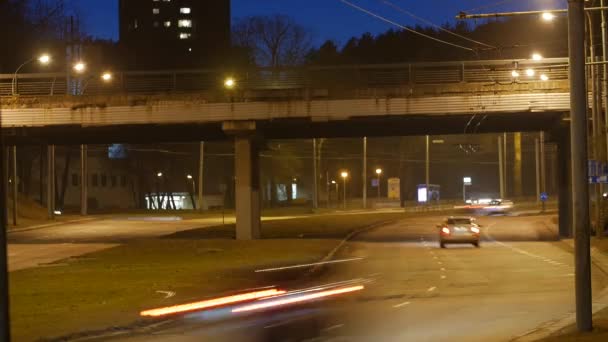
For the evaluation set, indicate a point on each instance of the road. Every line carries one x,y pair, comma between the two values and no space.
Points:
520,278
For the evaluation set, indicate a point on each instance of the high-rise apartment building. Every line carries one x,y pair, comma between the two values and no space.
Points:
174,33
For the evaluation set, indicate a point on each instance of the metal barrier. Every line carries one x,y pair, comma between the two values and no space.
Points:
320,77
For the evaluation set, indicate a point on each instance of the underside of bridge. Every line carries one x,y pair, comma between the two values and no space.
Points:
294,128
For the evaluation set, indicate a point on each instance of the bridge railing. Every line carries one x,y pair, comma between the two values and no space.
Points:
312,77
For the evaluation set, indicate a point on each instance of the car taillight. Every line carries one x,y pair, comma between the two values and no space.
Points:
445,230
475,230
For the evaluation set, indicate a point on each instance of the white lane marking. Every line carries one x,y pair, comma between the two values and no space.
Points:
400,305
168,294
439,262
307,265
435,258
333,327
443,277
431,289
443,269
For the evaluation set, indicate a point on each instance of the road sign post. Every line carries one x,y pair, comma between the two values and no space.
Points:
466,181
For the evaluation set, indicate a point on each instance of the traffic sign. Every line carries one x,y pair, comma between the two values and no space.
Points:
544,197
375,182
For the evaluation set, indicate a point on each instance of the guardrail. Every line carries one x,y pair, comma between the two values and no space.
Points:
319,77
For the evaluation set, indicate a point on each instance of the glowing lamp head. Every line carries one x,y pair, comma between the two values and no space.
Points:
160,174
344,175
544,77
189,176
229,83
80,67
378,171
106,76
547,16
514,74
44,59
537,56
530,72
333,182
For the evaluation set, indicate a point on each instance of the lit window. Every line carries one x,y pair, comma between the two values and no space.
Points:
185,10
184,35
167,23
184,23
155,11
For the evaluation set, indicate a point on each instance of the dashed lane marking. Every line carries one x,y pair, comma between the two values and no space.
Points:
431,289
400,305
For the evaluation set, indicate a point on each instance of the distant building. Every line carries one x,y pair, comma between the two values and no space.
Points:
174,33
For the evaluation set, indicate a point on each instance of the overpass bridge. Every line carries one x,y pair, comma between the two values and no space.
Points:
343,101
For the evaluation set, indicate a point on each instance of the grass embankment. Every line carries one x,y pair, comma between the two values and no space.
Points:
109,288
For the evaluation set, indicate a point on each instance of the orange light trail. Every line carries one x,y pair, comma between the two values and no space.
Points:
298,299
206,304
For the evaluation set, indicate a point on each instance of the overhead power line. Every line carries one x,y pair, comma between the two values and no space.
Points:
430,23
359,8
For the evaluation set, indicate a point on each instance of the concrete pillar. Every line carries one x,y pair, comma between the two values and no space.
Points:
501,169
84,180
517,167
247,178
247,188
50,182
564,185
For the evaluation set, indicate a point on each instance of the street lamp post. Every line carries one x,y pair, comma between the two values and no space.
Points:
379,173
191,179
344,176
466,181
43,59
337,193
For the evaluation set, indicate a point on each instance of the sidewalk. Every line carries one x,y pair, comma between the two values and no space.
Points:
565,329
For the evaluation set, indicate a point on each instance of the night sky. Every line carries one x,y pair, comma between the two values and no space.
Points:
327,19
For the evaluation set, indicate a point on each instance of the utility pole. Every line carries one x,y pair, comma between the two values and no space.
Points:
501,168
84,180
5,334
580,187
50,186
364,172
315,176
543,166
201,175
504,163
427,169
15,184
327,188
537,158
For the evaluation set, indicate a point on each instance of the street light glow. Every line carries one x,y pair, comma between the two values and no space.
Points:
515,73
106,76
333,182
537,56
44,59
378,171
189,176
344,174
160,174
530,72
230,83
544,77
79,67
548,16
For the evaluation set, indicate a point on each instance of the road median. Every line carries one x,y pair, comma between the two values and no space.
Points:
107,290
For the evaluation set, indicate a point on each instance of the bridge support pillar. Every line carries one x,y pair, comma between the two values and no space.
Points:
247,174
50,182
564,179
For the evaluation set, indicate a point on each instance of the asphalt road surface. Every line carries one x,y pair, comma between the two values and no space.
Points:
520,278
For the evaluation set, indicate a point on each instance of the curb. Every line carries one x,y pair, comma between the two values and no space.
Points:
54,224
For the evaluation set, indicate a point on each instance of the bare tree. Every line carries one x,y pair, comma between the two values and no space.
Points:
274,41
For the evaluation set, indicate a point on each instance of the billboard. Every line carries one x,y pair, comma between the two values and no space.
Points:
394,188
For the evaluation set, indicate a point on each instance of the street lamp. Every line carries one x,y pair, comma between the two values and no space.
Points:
344,176
160,174
43,59
544,77
547,16
79,67
379,173
530,72
191,179
229,83
537,56
514,74
466,181
106,76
